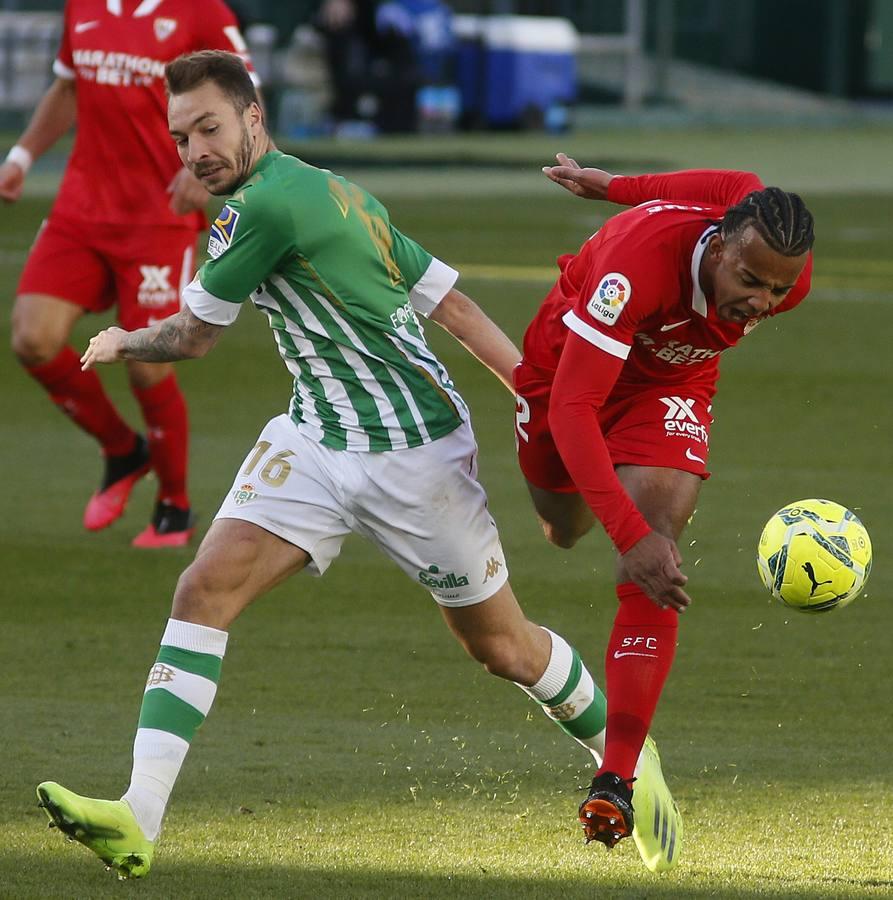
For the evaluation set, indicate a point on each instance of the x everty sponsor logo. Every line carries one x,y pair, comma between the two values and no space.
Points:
680,419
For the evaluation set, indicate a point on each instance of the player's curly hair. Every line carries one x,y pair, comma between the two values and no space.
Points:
226,70
779,217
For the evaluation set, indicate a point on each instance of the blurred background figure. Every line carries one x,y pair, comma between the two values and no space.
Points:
348,31
121,233
380,55
416,65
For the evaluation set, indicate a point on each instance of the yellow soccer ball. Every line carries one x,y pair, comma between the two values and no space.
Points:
814,556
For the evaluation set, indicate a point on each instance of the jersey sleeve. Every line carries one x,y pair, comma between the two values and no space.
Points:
428,280
218,29
617,294
717,187
63,65
246,244
585,377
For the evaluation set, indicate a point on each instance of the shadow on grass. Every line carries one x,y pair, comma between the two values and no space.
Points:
24,875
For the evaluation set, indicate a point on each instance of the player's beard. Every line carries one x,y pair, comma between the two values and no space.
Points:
241,167
243,163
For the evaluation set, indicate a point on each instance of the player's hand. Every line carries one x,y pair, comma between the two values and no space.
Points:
106,347
591,184
12,181
187,193
653,564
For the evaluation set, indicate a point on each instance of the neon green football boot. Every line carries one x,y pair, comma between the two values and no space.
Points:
107,827
657,829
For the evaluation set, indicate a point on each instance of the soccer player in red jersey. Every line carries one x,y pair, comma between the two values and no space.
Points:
614,394
122,231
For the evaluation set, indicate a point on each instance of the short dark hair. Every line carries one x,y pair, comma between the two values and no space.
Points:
779,217
226,70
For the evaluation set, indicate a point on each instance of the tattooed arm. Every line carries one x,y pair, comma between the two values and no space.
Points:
182,336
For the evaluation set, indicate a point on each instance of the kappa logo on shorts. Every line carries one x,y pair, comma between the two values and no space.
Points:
609,298
492,567
155,289
222,232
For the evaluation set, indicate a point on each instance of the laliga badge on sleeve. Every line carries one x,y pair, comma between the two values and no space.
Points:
222,232
609,298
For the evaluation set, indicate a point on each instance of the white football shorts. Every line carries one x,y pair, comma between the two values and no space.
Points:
423,507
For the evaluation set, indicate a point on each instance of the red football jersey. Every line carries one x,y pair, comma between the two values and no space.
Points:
123,157
633,292
628,313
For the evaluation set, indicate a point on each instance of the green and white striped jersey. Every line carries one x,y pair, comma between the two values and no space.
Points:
341,288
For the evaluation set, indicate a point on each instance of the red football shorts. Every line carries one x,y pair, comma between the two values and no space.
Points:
141,269
643,425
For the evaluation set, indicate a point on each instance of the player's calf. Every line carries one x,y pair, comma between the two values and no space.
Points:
564,518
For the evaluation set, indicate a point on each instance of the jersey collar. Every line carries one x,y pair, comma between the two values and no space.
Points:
698,300
265,161
145,8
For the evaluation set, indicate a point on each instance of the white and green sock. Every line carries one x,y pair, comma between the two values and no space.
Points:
179,693
569,696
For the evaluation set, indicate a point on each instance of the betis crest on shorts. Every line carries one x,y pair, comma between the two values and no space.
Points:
222,231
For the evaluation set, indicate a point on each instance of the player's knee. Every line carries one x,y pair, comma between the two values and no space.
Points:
561,535
197,596
503,656
32,346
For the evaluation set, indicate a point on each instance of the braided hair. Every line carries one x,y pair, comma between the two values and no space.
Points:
781,219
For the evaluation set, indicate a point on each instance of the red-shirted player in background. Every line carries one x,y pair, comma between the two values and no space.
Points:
122,231
614,392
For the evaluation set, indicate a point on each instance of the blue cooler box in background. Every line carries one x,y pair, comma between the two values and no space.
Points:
516,70
468,32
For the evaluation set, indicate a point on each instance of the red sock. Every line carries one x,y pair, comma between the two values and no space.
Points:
81,396
167,429
640,655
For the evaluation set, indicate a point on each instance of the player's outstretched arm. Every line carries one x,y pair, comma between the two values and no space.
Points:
714,186
182,336
480,335
588,183
718,187
54,115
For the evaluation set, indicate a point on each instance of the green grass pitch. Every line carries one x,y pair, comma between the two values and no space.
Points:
353,750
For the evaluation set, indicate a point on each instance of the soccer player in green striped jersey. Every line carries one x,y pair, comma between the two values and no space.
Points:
376,441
